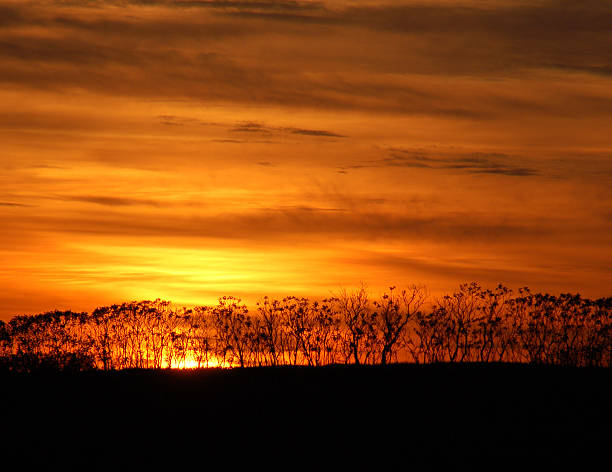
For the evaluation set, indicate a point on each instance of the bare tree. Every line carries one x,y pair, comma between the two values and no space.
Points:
202,336
472,324
233,331
360,335
393,313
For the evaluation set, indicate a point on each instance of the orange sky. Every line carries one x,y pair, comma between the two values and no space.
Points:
188,150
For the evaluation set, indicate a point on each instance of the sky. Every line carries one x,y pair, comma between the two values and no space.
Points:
187,150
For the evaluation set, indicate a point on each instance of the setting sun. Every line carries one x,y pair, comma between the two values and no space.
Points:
191,363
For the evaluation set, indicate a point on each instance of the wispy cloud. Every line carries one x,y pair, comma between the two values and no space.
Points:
324,65
13,204
474,162
276,224
110,201
256,127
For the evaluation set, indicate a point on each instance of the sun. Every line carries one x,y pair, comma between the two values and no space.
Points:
190,362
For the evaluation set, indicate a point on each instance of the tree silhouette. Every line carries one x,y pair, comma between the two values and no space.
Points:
233,331
393,313
473,324
358,319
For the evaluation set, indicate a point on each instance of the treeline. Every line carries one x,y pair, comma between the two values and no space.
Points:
473,324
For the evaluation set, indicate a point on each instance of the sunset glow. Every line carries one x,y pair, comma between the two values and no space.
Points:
191,363
189,150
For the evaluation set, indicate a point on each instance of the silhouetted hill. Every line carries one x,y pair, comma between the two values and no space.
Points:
296,416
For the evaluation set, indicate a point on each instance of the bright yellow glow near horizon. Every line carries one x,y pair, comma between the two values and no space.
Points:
191,363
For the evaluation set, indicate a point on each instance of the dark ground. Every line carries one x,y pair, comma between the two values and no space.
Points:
297,417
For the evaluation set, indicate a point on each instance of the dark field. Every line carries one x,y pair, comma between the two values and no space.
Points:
383,416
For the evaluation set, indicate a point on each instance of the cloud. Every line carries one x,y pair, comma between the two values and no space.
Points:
110,201
313,132
369,57
457,270
11,15
254,4
230,141
173,120
511,171
170,120
13,204
226,5
250,127
471,162
302,222
256,127
289,209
